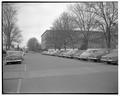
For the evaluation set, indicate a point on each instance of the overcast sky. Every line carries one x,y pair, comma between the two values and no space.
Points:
35,18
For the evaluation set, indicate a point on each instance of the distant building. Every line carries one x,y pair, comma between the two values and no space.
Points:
54,39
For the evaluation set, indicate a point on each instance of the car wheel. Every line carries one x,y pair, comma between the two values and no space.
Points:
19,62
108,62
8,63
98,60
95,60
115,63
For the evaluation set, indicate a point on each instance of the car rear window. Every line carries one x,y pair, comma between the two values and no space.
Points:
14,53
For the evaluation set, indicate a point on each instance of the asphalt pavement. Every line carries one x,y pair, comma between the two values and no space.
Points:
50,74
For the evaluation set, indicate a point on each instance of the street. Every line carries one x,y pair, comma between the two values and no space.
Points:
50,74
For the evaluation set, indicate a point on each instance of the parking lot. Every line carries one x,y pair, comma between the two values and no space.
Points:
50,74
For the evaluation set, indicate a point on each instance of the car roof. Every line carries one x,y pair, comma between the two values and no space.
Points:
97,49
13,51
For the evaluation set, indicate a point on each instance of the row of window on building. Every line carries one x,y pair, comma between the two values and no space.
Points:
58,39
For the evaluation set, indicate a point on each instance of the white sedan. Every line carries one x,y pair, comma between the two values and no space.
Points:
14,56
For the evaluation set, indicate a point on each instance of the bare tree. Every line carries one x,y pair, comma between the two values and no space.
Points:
107,17
33,44
66,25
9,28
83,19
15,36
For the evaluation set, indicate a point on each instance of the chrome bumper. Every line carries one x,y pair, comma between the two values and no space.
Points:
108,60
92,58
13,61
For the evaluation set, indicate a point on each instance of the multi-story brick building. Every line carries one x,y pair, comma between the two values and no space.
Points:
56,39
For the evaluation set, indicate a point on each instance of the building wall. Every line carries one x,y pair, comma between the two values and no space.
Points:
51,38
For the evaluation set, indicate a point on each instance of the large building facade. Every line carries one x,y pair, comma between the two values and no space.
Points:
58,39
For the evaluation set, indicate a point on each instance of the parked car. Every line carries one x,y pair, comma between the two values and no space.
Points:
57,52
53,52
14,56
78,53
45,53
61,54
112,57
87,53
96,56
50,52
65,53
71,53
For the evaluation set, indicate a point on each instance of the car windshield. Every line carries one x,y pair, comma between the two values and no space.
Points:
91,51
101,51
66,51
75,51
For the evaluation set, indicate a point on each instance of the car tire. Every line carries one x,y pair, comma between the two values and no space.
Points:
95,60
19,62
8,63
109,62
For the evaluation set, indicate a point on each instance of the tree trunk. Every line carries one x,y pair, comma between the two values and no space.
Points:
108,38
65,46
8,43
85,44
55,46
73,45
